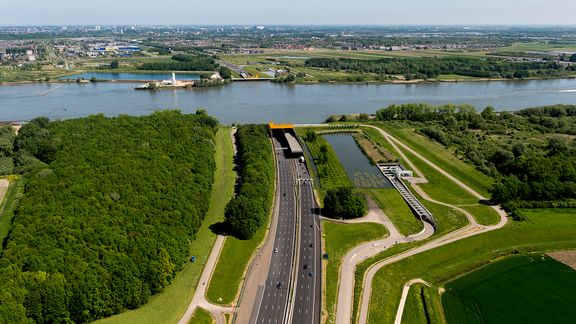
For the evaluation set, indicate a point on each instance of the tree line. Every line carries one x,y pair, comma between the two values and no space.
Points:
426,68
108,213
531,153
344,203
248,211
182,62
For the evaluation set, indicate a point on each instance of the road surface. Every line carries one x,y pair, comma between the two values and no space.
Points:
308,298
345,296
271,305
365,251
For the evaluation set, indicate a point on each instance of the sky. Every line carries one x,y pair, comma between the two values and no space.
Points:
274,12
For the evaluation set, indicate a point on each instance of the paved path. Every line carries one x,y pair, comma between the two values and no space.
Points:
345,296
199,299
470,230
368,250
405,292
4,183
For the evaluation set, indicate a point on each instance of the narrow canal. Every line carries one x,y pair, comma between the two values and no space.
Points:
361,172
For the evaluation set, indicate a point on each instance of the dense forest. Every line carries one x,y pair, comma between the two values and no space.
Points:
426,68
182,62
248,211
108,213
7,136
531,152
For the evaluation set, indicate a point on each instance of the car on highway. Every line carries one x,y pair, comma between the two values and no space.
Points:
279,285
276,250
311,274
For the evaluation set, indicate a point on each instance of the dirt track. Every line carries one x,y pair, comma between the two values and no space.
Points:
566,257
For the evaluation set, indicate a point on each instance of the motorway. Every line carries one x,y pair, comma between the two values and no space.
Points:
284,298
272,298
307,301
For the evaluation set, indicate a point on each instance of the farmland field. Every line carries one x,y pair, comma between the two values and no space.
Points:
533,288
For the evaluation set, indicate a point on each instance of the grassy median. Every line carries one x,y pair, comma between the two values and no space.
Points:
231,266
339,239
169,305
201,316
396,208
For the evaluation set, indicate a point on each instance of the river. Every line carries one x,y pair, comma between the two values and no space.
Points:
260,102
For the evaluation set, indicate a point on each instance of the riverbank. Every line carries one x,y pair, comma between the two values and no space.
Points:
260,102
61,79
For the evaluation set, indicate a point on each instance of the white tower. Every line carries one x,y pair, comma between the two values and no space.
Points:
173,78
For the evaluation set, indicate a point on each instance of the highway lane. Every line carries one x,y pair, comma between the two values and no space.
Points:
307,305
273,305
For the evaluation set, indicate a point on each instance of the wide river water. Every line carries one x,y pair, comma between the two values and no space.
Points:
260,102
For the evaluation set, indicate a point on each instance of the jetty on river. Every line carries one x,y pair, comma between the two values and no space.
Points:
166,84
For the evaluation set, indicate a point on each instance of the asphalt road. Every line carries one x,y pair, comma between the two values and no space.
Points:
273,303
308,288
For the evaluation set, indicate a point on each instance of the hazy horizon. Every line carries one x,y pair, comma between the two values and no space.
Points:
296,12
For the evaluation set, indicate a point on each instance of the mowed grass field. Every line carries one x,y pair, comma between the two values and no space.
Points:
339,238
421,306
439,155
8,205
544,230
331,172
526,289
201,316
439,187
232,264
396,208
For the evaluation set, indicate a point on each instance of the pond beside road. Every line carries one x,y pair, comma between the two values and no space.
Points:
361,172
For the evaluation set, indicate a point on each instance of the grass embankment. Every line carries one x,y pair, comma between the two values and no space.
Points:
526,289
442,189
229,272
439,187
339,239
439,155
421,305
544,230
8,205
254,153
169,305
201,316
394,206
330,172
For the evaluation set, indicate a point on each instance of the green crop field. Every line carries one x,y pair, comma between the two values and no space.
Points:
544,230
421,306
526,289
